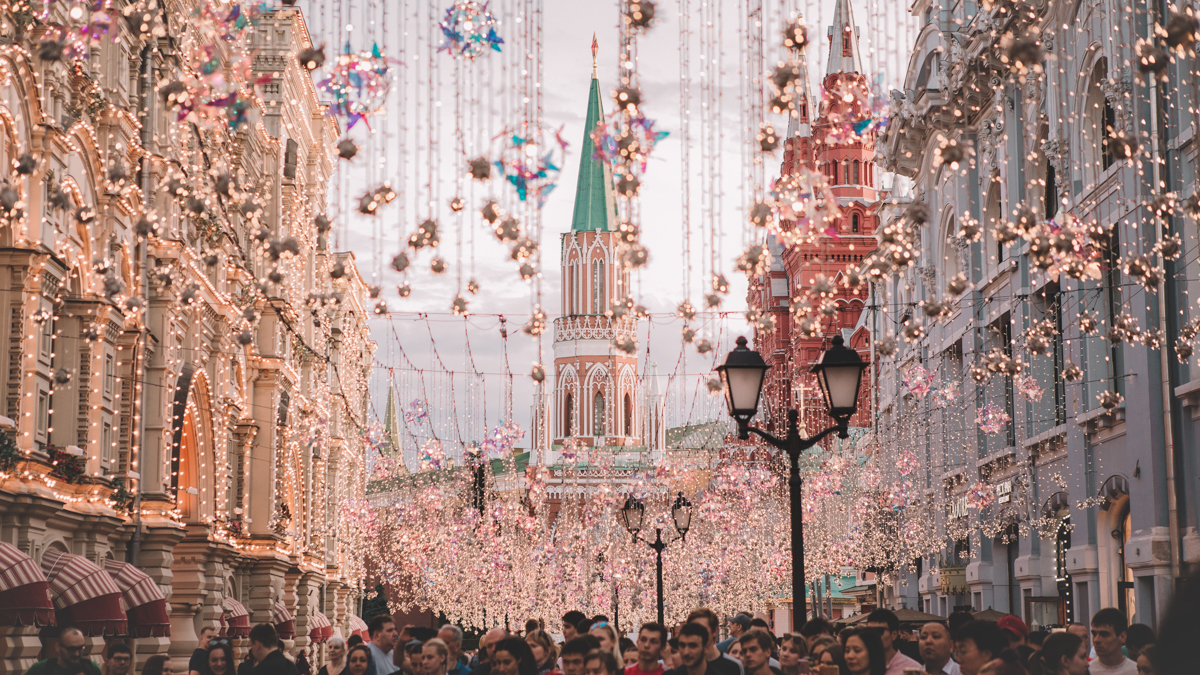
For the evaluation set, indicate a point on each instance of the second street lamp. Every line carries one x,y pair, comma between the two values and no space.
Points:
632,514
839,372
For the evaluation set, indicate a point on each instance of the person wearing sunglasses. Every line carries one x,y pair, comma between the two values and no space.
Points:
70,661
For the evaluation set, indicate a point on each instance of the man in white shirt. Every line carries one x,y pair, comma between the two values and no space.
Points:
1108,636
936,647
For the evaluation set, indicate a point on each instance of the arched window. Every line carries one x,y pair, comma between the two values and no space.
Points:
598,414
846,173
847,46
598,304
857,167
568,416
628,415
804,110
854,224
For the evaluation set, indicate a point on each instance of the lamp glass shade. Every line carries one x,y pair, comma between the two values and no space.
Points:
631,515
839,373
681,513
742,374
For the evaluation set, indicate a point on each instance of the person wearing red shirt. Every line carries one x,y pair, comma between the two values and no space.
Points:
651,638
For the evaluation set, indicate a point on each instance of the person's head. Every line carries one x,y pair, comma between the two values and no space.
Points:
885,621
542,646
792,648
70,645
1036,638
435,657
512,656
958,619
263,641
117,659
1146,659
574,651
1082,631
676,659
1061,654
707,618
734,651
693,641
756,646
834,655
354,641
815,628
1108,633
206,634
605,634
935,643
337,648
584,625
652,637
357,659
1137,636
453,636
1014,629
569,621
629,652
863,651
532,625
976,643
382,629
220,658
1008,662
739,624
159,664
600,662
818,646
490,639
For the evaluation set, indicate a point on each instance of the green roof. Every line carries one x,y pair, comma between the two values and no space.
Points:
595,199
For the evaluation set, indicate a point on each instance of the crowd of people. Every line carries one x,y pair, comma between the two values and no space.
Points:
960,645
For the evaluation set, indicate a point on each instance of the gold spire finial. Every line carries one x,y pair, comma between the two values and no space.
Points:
595,46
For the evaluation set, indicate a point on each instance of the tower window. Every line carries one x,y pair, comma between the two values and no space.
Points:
804,110
568,416
854,224
847,47
628,415
857,166
598,300
598,415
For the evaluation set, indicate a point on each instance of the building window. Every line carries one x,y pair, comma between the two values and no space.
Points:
598,415
568,416
108,375
1108,133
106,447
804,110
46,338
628,415
854,224
43,415
847,45
598,304
857,166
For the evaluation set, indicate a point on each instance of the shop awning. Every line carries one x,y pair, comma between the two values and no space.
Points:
319,629
145,605
84,595
235,619
24,591
285,623
359,627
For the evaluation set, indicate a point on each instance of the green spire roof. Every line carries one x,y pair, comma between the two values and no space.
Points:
595,199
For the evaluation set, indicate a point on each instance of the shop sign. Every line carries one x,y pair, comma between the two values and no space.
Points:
958,508
1004,492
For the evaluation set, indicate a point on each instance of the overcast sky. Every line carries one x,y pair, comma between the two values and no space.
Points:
431,355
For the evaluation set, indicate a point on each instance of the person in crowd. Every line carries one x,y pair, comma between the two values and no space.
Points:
532,625
569,621
382,630
1061,654
885,621
220,659
117,659
246,667
976,643
302,664
694,644
159,664
1014,629
815,628
818,646
834,655
718,663
1007,663
412,658
69,659
481,665
864,651
607,636
957,620
668,654
628,650
738,625
600,662
337,657
453,636
268,658
512,656
545,652
1083,632
358,659
353,641
676,658
200,653
937,648
1145,660
584,626
756,645
651,640
435,657
792,648
575,651
1109,629
1036,638
735,652
1137,636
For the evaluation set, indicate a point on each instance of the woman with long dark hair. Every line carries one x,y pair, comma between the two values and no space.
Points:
513,657
358,660
220,658
159,664
1061,654
863,649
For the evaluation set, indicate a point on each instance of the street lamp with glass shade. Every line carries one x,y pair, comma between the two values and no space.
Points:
632,514
839,373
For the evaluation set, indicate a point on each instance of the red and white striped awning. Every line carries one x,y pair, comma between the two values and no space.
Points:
84,595
319,629
24,591
235,619
359,627
145,605
285,623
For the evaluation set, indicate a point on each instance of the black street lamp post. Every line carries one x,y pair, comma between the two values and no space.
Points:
839,372
631,517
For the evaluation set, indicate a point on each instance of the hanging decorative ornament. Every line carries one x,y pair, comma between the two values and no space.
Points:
806,206
1027,386
626,138
358,84
992,418
906,463
469,30
530,158
918,380
946,394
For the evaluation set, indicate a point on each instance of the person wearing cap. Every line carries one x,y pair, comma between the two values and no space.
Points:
1018,634
738,625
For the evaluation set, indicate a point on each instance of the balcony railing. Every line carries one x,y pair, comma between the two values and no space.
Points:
593,327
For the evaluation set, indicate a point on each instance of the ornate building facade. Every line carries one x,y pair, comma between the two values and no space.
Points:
1091,459
180,424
